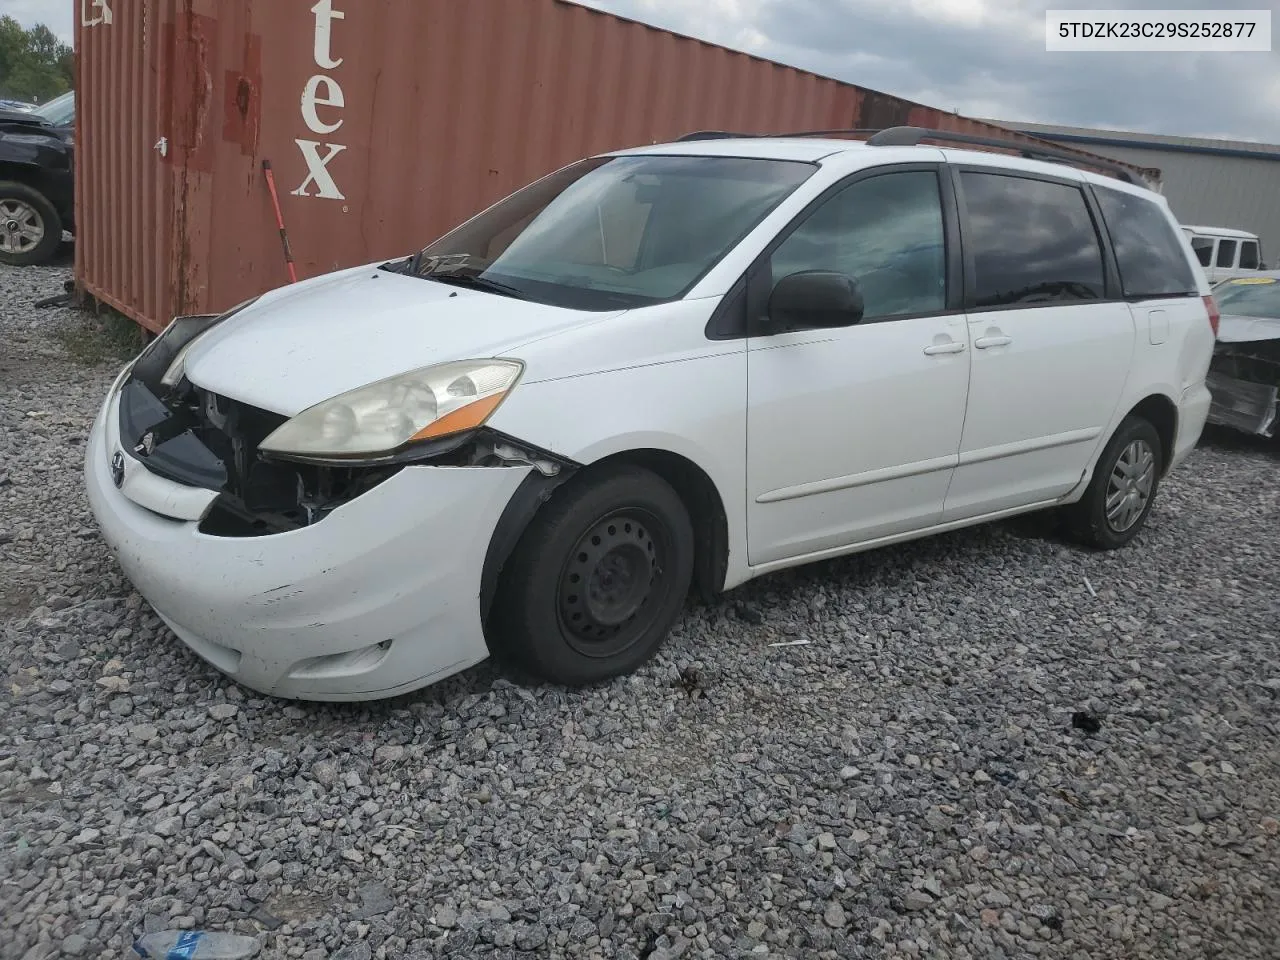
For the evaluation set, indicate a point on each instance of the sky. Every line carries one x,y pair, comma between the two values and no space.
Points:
984,58
55,14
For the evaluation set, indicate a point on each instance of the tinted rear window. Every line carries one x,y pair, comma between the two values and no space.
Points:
1033,241
1149,252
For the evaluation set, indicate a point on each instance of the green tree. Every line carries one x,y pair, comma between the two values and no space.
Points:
34,64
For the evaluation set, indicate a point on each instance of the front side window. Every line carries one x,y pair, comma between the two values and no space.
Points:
1150,255
885,232
1203,246
613,233
1226,253
1032,241
1249,255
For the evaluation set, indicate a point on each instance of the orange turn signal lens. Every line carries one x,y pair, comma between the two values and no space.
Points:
464,418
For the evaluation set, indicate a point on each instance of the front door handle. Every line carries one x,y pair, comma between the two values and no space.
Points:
954,346
984,343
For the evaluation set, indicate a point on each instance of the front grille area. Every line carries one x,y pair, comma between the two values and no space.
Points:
201,439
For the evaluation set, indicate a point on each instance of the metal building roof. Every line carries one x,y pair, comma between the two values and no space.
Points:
1097,136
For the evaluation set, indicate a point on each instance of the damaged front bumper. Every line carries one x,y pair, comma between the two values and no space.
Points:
1244,380
299,582
1242,405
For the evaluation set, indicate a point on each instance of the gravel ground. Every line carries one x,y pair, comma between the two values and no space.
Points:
908,784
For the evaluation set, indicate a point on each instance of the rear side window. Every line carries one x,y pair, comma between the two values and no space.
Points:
1226,253
1032,241
1149,253
1249,255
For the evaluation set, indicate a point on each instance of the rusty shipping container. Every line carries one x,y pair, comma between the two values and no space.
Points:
386,122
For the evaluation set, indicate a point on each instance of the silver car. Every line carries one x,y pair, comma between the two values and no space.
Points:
1244,377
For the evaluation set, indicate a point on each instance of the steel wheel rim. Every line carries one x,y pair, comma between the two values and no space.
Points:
21,226
615,574
1129,488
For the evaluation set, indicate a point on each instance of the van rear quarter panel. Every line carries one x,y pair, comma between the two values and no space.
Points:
386,122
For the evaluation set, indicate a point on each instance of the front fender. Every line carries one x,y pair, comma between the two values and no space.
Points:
694,409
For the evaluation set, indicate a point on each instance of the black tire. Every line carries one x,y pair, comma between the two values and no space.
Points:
1088,520
598,578
12,192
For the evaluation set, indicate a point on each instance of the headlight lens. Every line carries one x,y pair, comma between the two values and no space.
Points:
378,419
164,361
178,368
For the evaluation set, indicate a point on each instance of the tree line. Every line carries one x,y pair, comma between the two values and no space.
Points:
34,64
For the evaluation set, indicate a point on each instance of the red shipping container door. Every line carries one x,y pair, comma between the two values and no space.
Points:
386,123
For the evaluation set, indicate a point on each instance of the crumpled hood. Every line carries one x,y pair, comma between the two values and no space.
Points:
1233,328
308,342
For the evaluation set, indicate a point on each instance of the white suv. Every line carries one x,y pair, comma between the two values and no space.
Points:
696,362
1225,253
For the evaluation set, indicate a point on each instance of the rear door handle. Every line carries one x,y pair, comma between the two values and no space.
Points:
984,343
955,346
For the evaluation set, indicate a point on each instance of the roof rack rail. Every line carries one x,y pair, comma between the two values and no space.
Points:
830,133
712,135
911,136
728,135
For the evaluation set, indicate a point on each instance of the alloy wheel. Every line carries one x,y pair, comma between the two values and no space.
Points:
21,226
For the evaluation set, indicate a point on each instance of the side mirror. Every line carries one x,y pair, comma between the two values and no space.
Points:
815,299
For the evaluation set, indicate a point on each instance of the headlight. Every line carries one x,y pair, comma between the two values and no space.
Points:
378,419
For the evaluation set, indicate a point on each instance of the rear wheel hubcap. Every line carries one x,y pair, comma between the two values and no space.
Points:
1130,485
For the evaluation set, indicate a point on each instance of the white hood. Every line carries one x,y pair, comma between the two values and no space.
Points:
303,344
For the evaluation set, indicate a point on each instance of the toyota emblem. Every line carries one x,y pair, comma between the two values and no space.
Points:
117,468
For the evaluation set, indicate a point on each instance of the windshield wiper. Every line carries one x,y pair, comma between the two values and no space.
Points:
477,283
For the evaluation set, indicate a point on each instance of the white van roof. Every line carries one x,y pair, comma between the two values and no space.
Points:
1220,232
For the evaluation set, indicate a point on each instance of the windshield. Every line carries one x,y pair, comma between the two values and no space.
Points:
59,111
1250,297
613,232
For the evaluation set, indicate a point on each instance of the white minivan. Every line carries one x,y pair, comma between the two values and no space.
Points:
685,364
1225,253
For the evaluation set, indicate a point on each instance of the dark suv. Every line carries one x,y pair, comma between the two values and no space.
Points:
36,180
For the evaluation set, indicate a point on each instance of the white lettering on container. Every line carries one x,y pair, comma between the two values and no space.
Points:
311,99
325,15
103,17
322,91
318,170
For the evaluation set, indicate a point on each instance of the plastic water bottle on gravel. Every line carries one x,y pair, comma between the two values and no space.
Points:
195,945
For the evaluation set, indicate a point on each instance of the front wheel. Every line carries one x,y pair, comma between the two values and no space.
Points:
30,229
1118,500
598,579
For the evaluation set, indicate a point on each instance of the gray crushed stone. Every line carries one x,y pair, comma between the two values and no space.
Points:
908,784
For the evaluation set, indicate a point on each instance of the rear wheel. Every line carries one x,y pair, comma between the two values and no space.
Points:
598,579
1115,506
30,228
